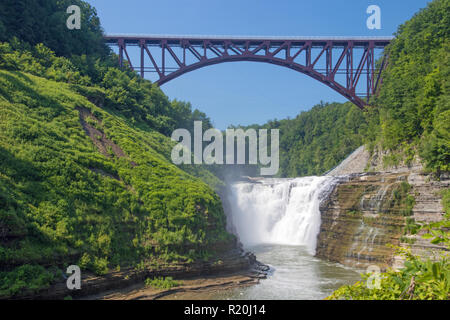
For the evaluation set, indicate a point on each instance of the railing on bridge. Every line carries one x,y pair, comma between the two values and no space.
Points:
345,64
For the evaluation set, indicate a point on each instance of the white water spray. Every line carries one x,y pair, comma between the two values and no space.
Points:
279,211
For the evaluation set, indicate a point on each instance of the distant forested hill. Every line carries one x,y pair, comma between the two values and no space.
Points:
319,139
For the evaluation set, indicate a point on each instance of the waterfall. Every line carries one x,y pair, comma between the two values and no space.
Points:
278,211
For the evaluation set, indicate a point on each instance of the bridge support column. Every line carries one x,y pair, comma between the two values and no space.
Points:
370,71
121,45
141,44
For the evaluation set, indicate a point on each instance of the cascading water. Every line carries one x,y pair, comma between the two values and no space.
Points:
279,211
279,220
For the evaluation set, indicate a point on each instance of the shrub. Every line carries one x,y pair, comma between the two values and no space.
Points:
162,282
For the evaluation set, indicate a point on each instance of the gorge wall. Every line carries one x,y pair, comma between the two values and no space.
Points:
367,212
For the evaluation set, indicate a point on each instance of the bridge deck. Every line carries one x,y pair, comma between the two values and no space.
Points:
156,38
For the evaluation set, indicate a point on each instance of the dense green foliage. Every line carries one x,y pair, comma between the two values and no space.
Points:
44,21
318,140
414,101
85,170
122,91
26,277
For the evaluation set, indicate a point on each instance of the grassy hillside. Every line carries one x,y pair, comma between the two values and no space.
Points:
82,185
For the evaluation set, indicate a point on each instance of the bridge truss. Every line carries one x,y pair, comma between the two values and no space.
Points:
345,64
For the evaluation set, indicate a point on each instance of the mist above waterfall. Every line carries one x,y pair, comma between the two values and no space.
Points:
278,211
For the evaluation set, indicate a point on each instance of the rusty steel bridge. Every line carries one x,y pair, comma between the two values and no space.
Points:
346,64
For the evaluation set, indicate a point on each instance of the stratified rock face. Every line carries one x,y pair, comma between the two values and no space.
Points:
354,229
428,208
367,213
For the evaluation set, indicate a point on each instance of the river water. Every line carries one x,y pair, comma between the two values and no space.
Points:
279,220
294,275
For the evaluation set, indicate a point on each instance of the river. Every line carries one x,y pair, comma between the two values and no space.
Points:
295,274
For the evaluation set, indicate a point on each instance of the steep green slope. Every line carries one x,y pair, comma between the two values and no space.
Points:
81,185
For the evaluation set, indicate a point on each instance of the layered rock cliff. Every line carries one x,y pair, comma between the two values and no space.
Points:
368,212
356,224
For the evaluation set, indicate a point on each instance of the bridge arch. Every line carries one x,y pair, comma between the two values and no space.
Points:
279,62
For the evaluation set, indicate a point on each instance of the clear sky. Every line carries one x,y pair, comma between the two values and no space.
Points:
251,92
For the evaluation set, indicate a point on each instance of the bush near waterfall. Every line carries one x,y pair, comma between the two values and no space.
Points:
418,280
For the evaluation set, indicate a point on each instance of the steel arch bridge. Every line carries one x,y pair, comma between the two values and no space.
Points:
351,59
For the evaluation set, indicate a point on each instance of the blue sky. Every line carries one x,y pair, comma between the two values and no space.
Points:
249,92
